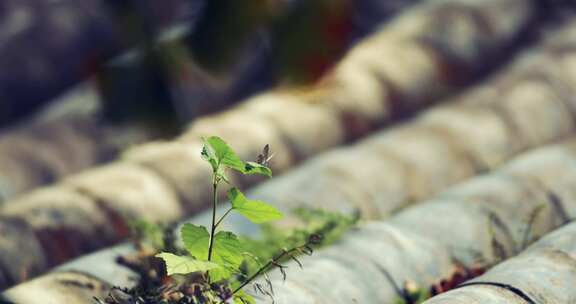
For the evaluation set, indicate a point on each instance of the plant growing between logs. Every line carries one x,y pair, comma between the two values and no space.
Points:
214,266
218,255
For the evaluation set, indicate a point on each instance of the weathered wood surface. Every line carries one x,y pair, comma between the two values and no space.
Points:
543,273
165,181
424,243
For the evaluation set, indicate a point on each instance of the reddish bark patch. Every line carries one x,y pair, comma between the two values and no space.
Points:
460,275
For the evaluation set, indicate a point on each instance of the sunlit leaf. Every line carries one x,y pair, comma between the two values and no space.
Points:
223,154
227,252
195,239
227,249
256,211
184,264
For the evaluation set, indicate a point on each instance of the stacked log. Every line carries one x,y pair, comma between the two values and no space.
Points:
474,224
165,181
36,151
477,131
544,273
65,138
423,244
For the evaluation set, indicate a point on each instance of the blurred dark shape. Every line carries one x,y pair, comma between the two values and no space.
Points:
48,46
310,38
168,61
306,37
225,27
369,14
161,83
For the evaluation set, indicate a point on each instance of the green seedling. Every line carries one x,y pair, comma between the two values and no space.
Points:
218,255
210,266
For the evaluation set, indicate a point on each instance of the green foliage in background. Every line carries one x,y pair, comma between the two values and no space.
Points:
331,226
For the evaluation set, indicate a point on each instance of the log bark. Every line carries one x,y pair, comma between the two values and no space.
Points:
426,243
65,138
543,273
332,109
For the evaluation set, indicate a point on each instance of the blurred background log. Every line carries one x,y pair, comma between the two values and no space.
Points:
47,48
151,70
65,138
474,132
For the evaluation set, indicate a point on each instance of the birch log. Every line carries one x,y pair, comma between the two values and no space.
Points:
165,181
424,243
544,273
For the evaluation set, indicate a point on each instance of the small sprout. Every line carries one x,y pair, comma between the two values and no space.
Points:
220,254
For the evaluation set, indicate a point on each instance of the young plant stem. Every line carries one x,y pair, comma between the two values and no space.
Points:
213,230
223,216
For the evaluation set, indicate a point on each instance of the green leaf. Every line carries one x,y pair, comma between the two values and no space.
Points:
223,154
218,153
226,252
209,155
195,239
243,298
256,168
184,264
256,211
227,249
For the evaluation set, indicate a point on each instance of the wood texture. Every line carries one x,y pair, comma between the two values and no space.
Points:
543,273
